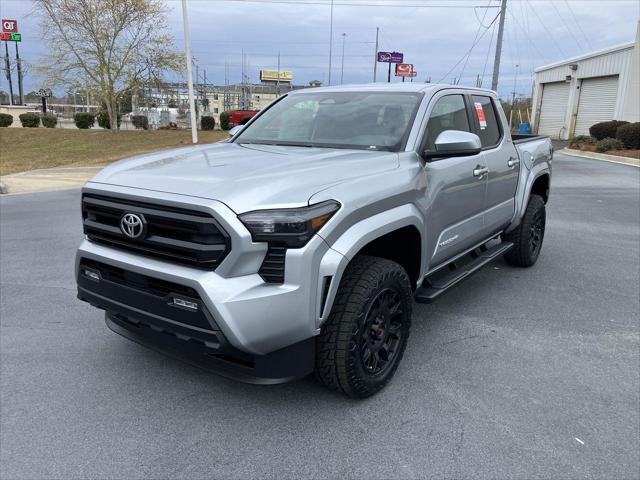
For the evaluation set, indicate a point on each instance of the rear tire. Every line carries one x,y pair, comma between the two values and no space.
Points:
364,338
528,236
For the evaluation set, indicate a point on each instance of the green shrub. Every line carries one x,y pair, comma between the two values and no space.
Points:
30,120
84,120
103,119
5,119
580,140
140,121
607,144
604,130
225,118
629,134
207,123
49,121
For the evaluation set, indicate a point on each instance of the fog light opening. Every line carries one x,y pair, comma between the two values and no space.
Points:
92,274
181,302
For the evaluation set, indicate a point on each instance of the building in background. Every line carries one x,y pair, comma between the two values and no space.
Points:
571,95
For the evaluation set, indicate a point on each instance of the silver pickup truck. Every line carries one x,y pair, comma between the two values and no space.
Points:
301,243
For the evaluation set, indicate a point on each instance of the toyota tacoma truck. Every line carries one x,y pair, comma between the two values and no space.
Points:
300,244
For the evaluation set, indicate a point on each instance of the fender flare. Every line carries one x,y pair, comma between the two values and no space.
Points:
522,200
349,243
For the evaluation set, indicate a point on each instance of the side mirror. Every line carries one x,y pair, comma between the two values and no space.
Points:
235,130
455,143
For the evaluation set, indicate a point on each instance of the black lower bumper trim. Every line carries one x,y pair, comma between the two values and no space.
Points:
290,363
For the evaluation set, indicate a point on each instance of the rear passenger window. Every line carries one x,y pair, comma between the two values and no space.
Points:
448,113
488,119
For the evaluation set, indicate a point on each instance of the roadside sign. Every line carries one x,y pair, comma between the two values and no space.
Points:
45,92
404,69
9,26
11,37
390,57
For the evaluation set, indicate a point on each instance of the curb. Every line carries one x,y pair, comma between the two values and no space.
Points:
632,162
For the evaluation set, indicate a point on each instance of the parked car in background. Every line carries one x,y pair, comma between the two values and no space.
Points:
241,117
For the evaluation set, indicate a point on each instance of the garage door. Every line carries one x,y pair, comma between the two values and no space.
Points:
553,109
597,102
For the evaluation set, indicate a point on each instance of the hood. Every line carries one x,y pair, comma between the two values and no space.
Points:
246,177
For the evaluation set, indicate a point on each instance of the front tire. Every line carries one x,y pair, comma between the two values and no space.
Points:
364,338
528,236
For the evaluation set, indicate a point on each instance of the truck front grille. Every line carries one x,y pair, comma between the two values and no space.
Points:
179,235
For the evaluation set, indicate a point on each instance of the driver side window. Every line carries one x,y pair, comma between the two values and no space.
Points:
448,113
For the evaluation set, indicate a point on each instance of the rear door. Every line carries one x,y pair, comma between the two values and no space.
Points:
501,158
456,198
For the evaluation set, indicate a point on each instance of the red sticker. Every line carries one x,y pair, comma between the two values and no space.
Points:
480,113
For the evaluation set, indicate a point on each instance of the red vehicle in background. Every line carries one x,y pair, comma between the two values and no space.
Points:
240,117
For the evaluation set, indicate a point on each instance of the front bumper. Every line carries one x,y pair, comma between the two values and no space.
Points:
141,308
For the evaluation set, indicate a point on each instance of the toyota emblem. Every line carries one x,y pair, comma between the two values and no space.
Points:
132,225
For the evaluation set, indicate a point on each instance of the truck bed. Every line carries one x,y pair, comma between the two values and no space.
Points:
526,138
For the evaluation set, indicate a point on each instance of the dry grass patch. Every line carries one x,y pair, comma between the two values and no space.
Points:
24,149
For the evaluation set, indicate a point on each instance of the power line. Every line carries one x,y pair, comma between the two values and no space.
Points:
486,60
464,65
578,24
350,4
470,49
580,48
544,25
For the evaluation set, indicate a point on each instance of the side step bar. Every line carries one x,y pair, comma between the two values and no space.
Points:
441,281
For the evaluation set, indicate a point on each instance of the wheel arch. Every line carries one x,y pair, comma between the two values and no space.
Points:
377,236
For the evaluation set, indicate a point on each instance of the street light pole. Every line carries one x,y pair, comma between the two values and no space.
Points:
187,53
330,41
375,57
344,35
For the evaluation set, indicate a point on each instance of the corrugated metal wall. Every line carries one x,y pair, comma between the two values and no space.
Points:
613,62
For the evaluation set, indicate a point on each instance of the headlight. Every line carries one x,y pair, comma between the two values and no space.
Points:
292,226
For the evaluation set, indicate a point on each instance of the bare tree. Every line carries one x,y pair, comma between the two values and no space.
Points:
108,46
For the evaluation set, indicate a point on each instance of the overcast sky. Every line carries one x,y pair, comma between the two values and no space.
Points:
434,35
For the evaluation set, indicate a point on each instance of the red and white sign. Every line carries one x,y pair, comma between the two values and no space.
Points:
480,114
404,69
9,26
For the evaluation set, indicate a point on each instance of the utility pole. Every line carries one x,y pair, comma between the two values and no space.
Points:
344,35
330,41
375,57
187,53
496,62
513,97
7,66
19,64
278,79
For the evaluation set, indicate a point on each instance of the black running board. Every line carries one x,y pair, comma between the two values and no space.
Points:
441,281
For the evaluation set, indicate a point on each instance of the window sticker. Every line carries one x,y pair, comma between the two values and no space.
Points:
480,113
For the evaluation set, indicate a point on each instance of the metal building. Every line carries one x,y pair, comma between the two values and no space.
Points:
571,95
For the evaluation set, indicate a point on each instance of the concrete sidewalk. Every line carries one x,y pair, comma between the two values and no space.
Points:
635,162
46,180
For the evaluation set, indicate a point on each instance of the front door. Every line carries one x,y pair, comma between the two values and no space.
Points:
502,161
456,197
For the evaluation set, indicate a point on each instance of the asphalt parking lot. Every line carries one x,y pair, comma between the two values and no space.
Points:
516,373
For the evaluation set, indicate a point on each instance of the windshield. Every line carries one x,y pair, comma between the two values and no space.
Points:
362,120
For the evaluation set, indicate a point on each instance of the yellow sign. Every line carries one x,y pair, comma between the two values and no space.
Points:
272,75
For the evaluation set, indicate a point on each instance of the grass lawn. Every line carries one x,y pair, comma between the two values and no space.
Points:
24,149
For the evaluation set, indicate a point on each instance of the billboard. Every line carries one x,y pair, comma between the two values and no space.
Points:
405,70
272,75
9,26
390,57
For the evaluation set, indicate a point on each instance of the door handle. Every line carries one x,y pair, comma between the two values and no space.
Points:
480,171
512,162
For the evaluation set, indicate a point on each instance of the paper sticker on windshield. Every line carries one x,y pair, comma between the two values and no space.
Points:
480,113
